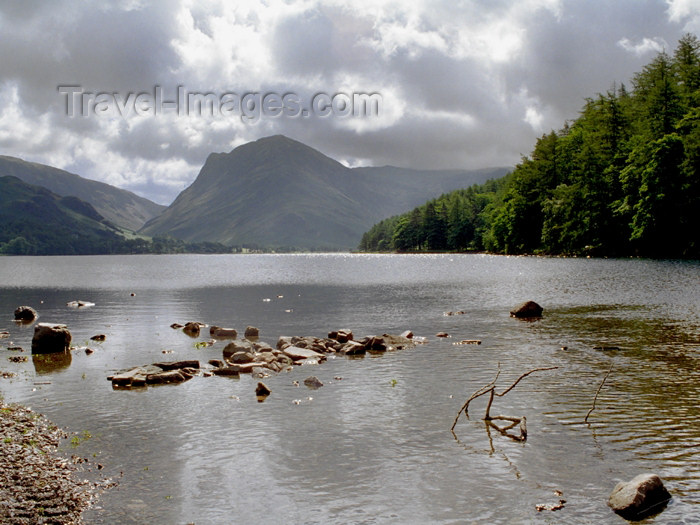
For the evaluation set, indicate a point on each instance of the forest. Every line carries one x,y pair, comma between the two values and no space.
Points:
619,180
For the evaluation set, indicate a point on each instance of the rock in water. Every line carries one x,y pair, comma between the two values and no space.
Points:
217,331
527,309
261,390
642,496
251,331
192,328
50,338
25,313
313,382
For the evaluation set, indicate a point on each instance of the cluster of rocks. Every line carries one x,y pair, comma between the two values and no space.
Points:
194,328
260,359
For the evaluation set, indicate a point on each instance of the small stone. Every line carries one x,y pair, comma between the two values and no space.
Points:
442,334
528,309
313,382
98,337
251,331
262,391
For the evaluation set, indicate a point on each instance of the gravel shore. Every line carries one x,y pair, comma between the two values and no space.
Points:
37,484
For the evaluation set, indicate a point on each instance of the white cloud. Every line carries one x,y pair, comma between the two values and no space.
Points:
685,11
643,47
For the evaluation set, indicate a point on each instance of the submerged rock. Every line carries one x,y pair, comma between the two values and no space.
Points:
526,310
98,337
217,331
313,382
640,497
79,304
25,313
192,328
50,338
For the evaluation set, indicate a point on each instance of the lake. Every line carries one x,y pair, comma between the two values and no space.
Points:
373,445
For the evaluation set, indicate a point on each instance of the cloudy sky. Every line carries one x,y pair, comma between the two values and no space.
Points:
463,83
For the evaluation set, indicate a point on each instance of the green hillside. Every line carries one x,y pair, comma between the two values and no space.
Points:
122,208
622,179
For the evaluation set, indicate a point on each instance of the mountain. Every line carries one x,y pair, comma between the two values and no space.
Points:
34,220
277,192
121,207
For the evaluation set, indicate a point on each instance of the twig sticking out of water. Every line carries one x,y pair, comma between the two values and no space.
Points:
490,389
598,392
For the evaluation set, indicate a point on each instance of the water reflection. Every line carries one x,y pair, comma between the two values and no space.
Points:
362,450
50,363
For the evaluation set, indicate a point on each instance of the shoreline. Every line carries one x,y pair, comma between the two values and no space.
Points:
37,483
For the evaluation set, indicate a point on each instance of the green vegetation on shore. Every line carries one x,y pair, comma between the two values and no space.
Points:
622,179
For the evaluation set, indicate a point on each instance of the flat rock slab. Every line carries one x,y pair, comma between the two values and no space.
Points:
177,365
134,377
167,377
298,354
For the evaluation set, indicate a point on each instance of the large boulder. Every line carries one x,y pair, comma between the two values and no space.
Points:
25,313
640,497
526,310
50,338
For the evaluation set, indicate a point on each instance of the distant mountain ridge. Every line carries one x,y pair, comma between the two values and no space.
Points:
278,192
123,208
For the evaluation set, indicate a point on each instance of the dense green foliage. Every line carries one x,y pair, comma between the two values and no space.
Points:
622,179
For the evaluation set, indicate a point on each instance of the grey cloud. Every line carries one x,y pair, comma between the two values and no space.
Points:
566,56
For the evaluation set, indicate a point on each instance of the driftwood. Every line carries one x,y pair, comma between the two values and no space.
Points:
490,389
598,392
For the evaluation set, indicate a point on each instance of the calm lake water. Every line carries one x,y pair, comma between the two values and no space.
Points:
374,446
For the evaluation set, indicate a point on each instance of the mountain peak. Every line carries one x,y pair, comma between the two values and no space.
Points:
277,191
